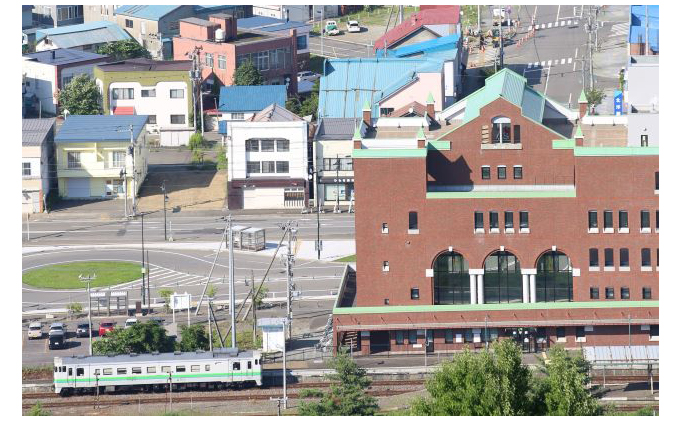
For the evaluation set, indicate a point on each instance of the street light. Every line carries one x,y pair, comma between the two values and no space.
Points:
89,303
315,174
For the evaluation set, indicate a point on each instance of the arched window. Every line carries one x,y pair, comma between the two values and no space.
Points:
554,280
502,278
501,130
451,279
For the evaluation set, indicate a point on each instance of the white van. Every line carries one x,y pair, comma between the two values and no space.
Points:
130,322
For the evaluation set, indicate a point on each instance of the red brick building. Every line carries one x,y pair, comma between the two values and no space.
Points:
502,227
223,47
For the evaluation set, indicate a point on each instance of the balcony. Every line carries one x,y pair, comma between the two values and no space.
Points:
91,169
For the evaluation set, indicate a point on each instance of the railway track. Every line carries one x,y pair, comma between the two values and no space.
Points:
621,379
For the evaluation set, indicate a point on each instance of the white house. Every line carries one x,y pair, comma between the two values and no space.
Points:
37,163
268,161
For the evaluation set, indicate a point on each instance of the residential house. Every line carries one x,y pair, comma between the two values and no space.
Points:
221,47
47,72
153,26
422,26
643,30
101,156
241,103
642,98
38,173
282,27
297,12
97,12
161,90
85,36
267,161
26,16
55,16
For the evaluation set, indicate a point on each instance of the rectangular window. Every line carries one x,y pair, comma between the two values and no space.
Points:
486,172
594,258
252,145
656,180
151,370
195,368
412,337
123,93
623,258
415,293
148,93
386,266
413,220
152,119
646,293
176,93
646,256
136,370
267,145
386,111
644,140
625,293
479,221
177,119
385,229
501,172
121,370
580,333
560,333
66,80
238,116
129,23
180,369
221,61
282,145
263,60
508,220
644,219
26,168
96,371
608,257
609,293
301,42
524,219
282,167
448,336
209,60
654,332
516,134
118,158
493,220
594,293
399,337
592,219
657,220
73,159
236,366
608,219
387,301
268,167
623,219
207,366
107,371
253,167
81,371
517,171
165,369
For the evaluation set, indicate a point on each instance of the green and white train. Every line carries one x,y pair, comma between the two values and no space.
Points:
157,371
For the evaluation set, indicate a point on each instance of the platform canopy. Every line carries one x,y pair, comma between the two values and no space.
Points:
622,354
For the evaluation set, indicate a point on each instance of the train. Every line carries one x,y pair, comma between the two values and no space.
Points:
157,372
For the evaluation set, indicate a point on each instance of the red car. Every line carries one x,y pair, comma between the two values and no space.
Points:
106,326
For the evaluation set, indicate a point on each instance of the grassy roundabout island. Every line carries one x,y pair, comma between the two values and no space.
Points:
65,276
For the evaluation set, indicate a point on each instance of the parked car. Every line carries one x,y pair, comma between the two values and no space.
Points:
332,28
157,320
83,330
130,322
57,340
106,326
307,76
57,327
353,26
35,330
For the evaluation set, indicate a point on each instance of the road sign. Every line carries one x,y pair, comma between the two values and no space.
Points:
618,102
180,301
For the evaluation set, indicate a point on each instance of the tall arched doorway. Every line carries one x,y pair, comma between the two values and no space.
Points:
451,279
502,278
554,278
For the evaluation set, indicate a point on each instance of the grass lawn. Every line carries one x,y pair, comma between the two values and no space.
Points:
352,258
65,276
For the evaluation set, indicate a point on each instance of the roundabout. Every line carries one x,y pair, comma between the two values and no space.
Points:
65,276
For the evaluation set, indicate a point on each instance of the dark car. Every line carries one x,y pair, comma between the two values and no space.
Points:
57,340
83,330
106,326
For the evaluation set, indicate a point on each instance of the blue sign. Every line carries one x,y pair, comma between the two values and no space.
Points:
618,102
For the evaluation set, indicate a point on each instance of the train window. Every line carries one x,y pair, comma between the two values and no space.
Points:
80,371
257,361
55,369
207,367
96,372
70,371
108,371
121,370
249,365
165,369
63,369
180,369
236,366
151,369
136,370
195,368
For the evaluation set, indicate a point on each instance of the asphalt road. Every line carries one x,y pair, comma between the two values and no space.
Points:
336,48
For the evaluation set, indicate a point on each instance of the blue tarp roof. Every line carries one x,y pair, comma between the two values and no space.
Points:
150,12
348,83
83,34
449,42
222,127
251,98
91,128
267,24
638,25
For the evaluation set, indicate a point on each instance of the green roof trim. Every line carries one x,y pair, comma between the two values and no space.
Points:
357,134
440,145
421,134
564,144
582,97
579,133
430,99
367,106
389,153
507,194
615,151
495,307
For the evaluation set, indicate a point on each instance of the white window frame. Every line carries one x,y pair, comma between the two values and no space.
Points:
23,169
175,91
606,230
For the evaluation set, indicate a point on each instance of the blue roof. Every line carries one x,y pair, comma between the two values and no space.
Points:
107,128
348,83
150,12
267,24
83,34
449,42
251,98
638,25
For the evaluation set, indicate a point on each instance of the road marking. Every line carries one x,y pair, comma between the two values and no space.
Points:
533,18
550,25
549,63
546,81
569,100
563,60
569,22
543,26
558,13
542,63
562,24
568,61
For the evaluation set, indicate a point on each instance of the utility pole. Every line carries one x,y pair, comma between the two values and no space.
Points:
290,258
200,95
210,324
232,289
123,175
337,184
88,279
148,286
143,266
590,44
165,221
28,228
134,173
253,305
500,36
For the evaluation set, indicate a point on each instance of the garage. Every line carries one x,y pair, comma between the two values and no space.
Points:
78,188
263,198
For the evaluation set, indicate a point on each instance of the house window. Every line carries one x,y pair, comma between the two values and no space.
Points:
625,293
523,220
608,220
282,145
152,119
644,140
385,229
609,258
252,145
517,172
267,145
176,93
129,23
209,60
148,93
253,167
644,220
646,255
609,293
448,336
646,293
624,261
118,159
580,333
415,293
594,258
517,133
386,266
268,167
501,130
413,220
594,293
387,301
657,220
26,169
263,60
486,172
592,220
399,337
238,116
493,221
508,220
479,222
656,180
123,93
66,80
560,334
282,167
386,111
221,61
623,219
501,172
301,42
177,119
654,332
73,159
412,337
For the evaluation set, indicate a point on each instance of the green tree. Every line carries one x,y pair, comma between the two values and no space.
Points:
346,398
260,295
165,294
74,308
564,389
247,75
293,105
482,383
123,50
140,338
212,291
38,411
594,97
81,97
196,141
193,338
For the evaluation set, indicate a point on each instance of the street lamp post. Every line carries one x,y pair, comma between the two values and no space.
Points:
165,221
89,306
315,175
123,175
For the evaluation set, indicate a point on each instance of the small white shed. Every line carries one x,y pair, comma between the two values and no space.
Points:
175,136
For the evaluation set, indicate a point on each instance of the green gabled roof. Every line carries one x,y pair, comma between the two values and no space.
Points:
579,133
421,134
430,99
357,134
582,97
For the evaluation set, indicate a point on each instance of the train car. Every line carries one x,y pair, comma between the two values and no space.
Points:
157,371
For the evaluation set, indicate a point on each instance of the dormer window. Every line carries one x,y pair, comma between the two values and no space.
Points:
501,130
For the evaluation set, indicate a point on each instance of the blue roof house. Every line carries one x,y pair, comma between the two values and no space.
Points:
243,102
86,36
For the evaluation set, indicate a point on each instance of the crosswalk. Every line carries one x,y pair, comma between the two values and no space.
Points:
557,24
550,63
619,29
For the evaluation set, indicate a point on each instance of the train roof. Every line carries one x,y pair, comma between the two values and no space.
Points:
159,357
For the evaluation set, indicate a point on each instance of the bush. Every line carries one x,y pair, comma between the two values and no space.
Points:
165,295
221,158
38,411
74,308
311,393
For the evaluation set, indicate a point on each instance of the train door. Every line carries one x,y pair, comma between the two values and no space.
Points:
248,369
80,377
70,378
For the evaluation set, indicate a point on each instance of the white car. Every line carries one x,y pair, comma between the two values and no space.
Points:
130,322
308,76
35,330
353,26
332,28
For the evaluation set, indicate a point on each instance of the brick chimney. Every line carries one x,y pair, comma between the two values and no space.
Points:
356,139
582,105
366,114
430,105
578,136
422,140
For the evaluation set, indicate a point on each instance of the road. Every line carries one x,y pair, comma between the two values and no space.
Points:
336,48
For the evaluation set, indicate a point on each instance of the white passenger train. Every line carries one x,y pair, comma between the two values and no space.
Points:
157,371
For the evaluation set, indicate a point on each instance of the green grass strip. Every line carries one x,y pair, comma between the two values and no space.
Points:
65,276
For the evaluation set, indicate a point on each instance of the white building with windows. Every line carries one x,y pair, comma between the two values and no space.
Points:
38,174
267,157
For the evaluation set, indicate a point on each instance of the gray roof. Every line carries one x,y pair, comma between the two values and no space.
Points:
275,112
334,128
159,357
621,353
98,128
201,22
62,56
144,65
34,130
83,34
